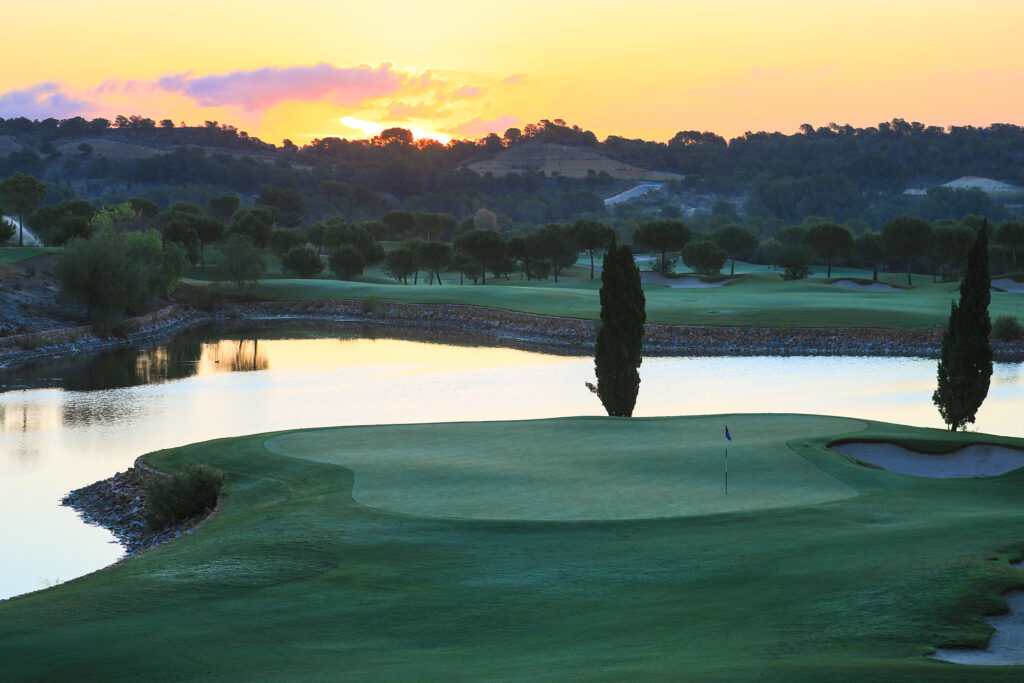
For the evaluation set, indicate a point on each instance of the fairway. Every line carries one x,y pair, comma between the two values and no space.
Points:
754,300
615,469
334,564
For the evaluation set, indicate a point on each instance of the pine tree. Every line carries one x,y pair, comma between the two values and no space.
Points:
965,367
619,349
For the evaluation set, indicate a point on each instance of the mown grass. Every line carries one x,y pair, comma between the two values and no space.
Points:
17,254
755,300
295,580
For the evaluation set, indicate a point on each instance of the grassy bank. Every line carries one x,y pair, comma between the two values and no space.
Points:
441,566
754,300
17,254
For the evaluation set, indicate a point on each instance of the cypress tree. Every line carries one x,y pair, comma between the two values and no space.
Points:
619,349
965,367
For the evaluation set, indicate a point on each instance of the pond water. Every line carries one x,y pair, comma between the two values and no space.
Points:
65,425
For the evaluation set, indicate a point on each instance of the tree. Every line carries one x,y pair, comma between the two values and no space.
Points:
553,242
485,220
7,229
255,223
209,230
952,243
735,240
346,261
1010,234
619,349
399,262
589,235
180,226
23,193
704,257
466,265
829,241
908,238
663,235
303,261
241,260
287,205
869,251
486,246
223,206
283,239
111,273
435,256
965,367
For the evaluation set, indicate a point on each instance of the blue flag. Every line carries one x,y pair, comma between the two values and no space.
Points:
727,436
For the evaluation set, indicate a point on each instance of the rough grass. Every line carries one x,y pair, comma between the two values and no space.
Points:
754,301
295,580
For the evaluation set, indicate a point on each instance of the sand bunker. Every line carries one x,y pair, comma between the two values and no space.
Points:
1007,644
682,282
1008,285
873,287
979,460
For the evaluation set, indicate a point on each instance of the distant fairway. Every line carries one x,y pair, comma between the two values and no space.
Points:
822,570
754,300
577,469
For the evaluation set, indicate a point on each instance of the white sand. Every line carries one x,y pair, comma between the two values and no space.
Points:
1008,285
688,282
874,286
978,460
1007,644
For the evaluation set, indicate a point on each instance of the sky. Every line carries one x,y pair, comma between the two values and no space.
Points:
304,69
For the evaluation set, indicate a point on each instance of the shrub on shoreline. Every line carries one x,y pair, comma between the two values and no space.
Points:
187,493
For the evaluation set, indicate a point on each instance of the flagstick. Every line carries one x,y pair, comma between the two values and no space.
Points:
726,469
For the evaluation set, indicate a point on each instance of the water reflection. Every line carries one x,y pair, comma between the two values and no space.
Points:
71,423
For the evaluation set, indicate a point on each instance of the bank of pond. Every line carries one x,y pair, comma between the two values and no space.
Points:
505,529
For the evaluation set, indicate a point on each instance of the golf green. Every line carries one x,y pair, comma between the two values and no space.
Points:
327,564
620,469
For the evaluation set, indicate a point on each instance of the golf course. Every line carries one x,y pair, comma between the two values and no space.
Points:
755,299
584,548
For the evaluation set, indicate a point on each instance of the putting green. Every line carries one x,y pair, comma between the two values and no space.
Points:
577,469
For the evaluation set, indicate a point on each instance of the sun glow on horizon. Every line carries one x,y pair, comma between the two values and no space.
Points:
645,72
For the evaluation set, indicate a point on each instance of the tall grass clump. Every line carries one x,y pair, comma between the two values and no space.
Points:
189,492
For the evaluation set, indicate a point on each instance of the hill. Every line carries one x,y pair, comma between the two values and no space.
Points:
563,160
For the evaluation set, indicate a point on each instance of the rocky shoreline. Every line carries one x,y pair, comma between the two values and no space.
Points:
523,330
117,504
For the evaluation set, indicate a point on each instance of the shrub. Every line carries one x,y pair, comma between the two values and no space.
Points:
1007,328
368,305
302,261
189,492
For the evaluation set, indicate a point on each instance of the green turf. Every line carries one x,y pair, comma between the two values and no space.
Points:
295,580
752,301
16,254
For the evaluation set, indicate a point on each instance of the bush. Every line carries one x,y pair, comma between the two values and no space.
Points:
1007,328
704,257
303,261
368,305
187,493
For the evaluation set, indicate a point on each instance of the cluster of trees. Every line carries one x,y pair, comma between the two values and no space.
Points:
837,172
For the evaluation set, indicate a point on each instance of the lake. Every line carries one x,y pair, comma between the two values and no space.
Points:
68,424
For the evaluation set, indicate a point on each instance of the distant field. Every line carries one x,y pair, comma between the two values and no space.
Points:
329,564
756,300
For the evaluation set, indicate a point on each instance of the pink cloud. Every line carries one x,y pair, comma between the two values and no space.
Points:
513,79
42,101
766,72
262,88
481,127
467,92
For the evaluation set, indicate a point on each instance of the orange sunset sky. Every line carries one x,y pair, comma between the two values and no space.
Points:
648,68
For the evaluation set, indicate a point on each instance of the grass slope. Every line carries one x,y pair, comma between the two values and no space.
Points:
755,300
295,580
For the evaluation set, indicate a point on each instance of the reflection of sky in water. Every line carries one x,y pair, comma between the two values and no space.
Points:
54,440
